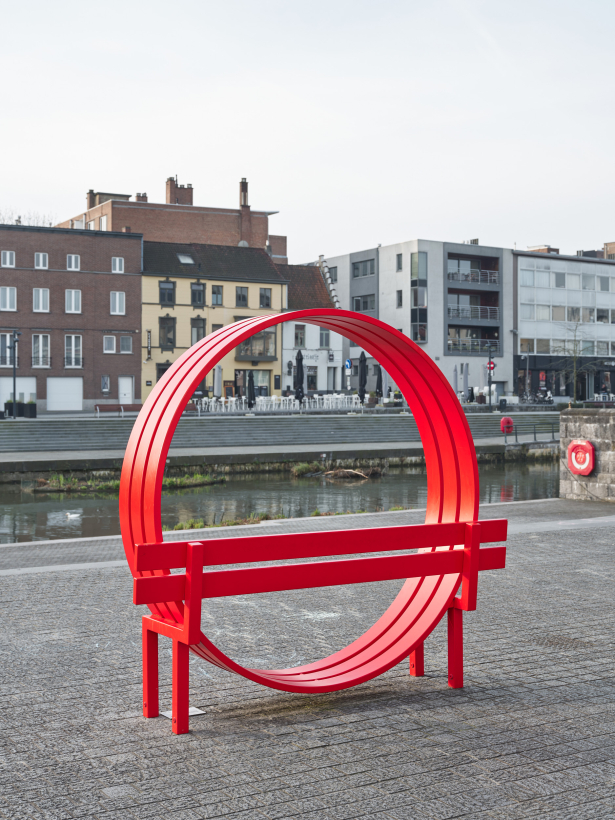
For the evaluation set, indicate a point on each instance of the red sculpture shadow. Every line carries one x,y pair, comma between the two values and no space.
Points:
434,573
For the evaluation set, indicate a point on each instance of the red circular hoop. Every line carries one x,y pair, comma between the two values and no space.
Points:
452,490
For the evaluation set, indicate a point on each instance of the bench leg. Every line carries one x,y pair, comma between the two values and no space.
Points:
455,648
417,661
179,713
150,673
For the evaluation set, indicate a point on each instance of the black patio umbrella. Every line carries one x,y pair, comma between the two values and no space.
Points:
362,376
250,391
379,383
299,394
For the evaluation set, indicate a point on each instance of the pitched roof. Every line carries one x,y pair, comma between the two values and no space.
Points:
306,287
210,261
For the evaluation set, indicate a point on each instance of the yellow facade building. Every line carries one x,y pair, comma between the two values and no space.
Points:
190,290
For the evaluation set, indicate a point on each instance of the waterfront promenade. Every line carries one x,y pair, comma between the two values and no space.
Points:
532,734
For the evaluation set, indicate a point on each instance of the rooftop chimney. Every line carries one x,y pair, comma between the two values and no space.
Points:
90,199
141,197
178,194
243,192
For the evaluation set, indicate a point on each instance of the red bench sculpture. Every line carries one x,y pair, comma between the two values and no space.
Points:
449,552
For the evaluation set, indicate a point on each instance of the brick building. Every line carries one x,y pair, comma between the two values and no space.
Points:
75,296
179,220
190,290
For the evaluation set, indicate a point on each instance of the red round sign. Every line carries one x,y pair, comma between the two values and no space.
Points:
491,366
581,457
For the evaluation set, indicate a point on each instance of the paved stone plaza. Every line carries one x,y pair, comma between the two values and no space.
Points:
532,735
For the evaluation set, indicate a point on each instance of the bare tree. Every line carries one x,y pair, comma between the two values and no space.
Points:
573,352
9,216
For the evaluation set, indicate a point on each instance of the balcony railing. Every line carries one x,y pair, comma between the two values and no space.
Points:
41,361
473,312
475,276
73,361
473,346
7,360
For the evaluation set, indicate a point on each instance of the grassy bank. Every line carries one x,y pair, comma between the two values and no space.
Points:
60,483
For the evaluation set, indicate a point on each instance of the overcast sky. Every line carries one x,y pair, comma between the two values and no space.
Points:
361,122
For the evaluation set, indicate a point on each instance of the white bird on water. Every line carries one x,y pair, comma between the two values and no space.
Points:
73,515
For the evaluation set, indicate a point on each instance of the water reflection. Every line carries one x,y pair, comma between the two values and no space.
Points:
28,517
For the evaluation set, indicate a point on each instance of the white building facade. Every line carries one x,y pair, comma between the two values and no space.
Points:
322,352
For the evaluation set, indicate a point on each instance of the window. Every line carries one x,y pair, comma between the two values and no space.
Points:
103,223
41,261
602,348
216,327
197,294
419,297
558,346
543,346
559,280
312,378
105,384
8,298
527,312
8,259
365,302
400,298
108,344
265,298
241,297
185,259
166,332
260,346
197,330
543,313
73,262
355,370
40,350
325,337
526,278
125,344
216,294
117,264
543,279
558,313
398,262
602,315
365,268
526,345
72,301
118,303
589,281
573,281
299,335
91,226
40,300
166,292
72,351
603,283
588,314
333,274
418,265
574,314
587,348
6,350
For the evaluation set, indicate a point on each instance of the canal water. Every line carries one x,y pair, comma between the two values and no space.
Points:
25,516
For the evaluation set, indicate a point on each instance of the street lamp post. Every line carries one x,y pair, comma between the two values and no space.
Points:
13,348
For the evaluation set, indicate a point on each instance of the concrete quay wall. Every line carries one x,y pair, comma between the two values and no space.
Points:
598,427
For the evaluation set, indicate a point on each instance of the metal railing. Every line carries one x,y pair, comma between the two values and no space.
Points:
528,429
475,276
473,312
7,360
73,361
41,361
473,346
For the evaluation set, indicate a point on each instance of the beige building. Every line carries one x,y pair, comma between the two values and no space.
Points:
190,290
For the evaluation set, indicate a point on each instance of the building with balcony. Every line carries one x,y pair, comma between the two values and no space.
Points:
190,290
75,298
453,299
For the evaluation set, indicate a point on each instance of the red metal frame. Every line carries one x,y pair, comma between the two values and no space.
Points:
433,574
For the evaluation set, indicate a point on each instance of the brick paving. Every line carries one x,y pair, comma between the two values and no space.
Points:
532,734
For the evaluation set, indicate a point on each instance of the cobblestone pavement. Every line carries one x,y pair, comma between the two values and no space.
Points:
532,734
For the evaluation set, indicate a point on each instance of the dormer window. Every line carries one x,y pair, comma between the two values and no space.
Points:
185,259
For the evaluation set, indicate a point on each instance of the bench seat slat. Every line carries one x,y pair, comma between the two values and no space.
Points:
172,554
223,583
